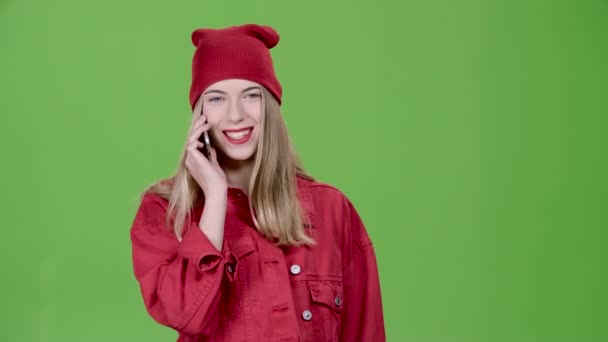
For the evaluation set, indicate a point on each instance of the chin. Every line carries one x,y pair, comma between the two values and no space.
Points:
240,156
243,152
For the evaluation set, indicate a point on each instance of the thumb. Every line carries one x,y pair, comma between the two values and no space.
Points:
215,163
213,155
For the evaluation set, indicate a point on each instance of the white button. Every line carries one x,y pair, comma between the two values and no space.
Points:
295,269
338,301
307,315
230,268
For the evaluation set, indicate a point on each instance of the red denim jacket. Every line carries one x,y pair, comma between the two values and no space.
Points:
253,290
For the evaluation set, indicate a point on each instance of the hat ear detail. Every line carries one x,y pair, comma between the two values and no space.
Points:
266,34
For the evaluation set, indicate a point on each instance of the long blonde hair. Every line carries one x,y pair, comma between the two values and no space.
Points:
278,214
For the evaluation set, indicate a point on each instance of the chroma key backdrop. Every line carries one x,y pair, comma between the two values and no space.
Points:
471,136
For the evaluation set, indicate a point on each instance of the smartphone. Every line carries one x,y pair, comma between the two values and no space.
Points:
204,138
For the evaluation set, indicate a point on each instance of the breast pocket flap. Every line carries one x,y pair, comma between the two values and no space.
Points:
327,293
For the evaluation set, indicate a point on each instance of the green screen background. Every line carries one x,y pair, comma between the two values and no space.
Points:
470,135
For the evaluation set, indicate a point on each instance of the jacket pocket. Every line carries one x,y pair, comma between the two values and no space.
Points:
326,308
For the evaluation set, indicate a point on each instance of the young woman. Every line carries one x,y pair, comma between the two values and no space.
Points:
244,245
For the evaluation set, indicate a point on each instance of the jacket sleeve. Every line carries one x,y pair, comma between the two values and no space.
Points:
362,317
179,281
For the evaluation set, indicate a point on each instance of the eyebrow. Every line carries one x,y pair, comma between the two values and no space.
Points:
223,92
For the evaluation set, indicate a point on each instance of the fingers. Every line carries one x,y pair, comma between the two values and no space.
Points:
195,145
196,133
199,126
196,157
199,121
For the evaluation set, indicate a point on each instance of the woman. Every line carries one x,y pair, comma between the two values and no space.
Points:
244,245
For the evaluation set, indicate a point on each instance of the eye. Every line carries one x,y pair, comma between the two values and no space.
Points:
254,95
214,99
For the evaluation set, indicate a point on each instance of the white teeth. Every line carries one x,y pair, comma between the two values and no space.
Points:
238,135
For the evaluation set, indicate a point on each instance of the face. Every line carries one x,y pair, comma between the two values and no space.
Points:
234,110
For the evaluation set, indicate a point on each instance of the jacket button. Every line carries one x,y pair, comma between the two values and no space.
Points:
230,268
295,269
307,315
338,301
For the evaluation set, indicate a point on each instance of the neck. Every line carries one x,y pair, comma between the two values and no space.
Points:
238,172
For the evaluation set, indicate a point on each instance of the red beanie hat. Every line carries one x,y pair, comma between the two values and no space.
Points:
234,52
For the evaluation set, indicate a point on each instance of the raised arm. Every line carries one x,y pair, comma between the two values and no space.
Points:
179,281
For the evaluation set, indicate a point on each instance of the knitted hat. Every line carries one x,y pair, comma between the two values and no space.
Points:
234,52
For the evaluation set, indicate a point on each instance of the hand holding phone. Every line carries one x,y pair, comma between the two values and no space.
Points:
201,159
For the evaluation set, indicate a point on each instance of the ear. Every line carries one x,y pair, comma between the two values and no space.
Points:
266,34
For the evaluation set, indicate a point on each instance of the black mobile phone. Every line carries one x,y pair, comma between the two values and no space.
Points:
204,138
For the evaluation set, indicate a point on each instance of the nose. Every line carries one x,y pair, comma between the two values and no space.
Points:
236,112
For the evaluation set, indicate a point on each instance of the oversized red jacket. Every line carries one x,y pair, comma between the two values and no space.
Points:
253,290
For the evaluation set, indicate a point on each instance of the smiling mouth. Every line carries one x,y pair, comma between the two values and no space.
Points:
238,136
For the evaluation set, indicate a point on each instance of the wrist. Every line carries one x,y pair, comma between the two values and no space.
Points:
216,193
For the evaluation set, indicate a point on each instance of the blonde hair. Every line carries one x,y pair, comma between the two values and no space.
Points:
273,184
